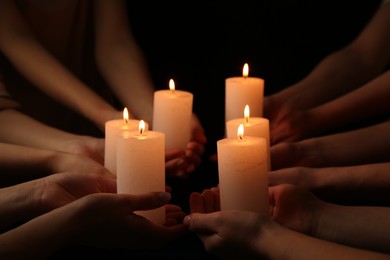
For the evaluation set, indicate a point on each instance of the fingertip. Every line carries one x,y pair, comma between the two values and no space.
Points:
164,197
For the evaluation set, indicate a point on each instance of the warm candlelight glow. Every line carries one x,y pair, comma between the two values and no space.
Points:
141,127
240,131
245,70
125,114
246,113
172,85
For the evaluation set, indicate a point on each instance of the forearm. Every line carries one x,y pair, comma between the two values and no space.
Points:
361,146
21,129
19,163
368,101
40,237
363,183
275,242
121,61
127,74
337,74
358,226
19,203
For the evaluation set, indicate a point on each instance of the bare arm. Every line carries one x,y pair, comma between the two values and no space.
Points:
345,69
20,163
238,234
368,183
20,46
369,101
18,128
361,146
90,221
121,60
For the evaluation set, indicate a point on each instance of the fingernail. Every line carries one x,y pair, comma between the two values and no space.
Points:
187,220
165,197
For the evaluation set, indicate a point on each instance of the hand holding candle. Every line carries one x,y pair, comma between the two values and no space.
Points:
240,91
141,166
243,173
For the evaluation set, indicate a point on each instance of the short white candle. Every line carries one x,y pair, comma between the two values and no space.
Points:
243,173
112,129
141,166
172,114
240,91
253,126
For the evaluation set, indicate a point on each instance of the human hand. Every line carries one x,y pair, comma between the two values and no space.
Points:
87,146
181,163
227,234
59,189
295,207
112,216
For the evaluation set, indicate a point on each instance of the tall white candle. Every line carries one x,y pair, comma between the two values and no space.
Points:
240,91
172,114
243,173
253,126
112,129
141,166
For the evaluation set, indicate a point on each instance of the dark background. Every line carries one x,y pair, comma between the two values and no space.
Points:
200,43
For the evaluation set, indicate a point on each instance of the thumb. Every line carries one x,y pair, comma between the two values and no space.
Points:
202,223
147,201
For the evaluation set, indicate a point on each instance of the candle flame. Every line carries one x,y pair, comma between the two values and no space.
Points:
245,70
141,127
171,85
240,131
125,114
246,113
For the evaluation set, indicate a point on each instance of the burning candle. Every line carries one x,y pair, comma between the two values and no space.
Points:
141,166
254,126
240,91
172,114
112,129
243,173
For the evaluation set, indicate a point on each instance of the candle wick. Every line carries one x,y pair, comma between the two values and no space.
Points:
246,120
240,137
126,120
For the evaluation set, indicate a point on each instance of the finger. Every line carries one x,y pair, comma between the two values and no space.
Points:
145,201
196,203
202,223
173,153
175,164
209,200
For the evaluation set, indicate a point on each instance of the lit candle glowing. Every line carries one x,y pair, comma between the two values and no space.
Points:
243,173
141,166
240,91
112,129
254,126
172,114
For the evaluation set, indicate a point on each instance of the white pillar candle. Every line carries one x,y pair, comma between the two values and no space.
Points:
240,91
243,173
253,126
112,129
141,167
172,112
